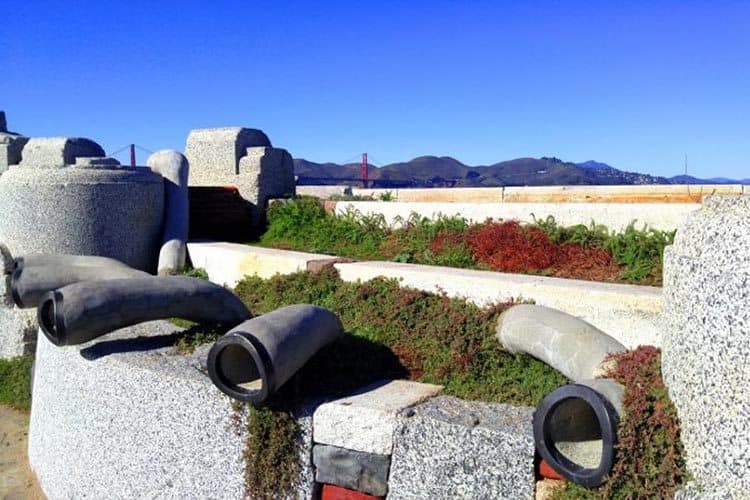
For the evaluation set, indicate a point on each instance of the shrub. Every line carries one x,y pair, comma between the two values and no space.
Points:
508,246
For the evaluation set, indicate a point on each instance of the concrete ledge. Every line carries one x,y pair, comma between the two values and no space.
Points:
629,313
227,263
653,193
615,216
366,421
123,417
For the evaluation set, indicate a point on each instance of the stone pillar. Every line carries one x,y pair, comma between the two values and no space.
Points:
706,345
243,158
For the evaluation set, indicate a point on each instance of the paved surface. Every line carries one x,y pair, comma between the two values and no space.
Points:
17,482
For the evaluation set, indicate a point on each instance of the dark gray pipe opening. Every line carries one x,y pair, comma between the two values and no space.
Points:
575,432
50,322
239,366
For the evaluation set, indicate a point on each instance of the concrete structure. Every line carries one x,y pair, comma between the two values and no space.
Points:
137,421
109,211
628,313
11,145
366,421
449,448
644,193
243,158
570,345
615,216
354,470
324,192
255,358
174,169
227,263
706,349
56,152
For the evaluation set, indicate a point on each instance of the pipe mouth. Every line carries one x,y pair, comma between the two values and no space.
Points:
50,318
575,432
14,292
240,366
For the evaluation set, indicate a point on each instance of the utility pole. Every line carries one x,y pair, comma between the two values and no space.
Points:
364,170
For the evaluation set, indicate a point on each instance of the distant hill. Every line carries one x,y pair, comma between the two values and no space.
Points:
444,171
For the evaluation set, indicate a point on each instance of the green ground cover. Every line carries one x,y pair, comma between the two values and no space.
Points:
585,252
15,382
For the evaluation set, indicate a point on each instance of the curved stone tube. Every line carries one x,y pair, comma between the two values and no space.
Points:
572,346
29,284
575,429
255,358
174,168
82,311
58,260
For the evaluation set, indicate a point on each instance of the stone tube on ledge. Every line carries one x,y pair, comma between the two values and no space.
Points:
83,311
256,358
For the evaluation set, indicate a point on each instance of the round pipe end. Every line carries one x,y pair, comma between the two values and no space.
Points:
574,417
239,365
14,291
50,318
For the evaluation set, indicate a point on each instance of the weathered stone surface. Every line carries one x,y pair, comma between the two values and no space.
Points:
449,448
265,173
112,212
570,345
18,331
366,421
55,152
242,158
174,168
706,352
351,469
215,153
10,150
85,161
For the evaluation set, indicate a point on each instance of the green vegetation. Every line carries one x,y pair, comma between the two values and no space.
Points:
584,252
391,332
395,332
638,251
272,465
650,460
15,382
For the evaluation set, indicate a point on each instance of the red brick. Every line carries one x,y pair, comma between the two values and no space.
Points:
331,492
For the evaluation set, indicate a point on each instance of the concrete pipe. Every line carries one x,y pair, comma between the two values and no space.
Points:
64,260
82,311
572,346
30,283
575,430
174,168
256,358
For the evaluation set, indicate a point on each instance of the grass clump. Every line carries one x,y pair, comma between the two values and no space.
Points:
271,453
15,382
650,460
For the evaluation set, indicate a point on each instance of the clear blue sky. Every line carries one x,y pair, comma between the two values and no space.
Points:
633,84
